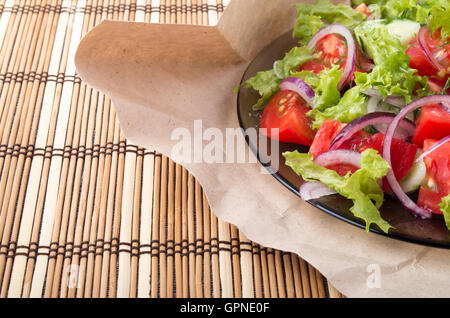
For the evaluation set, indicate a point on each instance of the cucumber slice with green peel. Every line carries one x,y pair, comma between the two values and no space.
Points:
404,30
416,176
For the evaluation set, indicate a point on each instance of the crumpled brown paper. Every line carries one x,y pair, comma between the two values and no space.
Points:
162,77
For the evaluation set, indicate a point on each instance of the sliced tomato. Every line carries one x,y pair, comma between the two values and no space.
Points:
363,8
438,166
437,84
419,60
440,52
287,112
342,169
439,48
430,200
402,154
325,136
437,181
332,49
315,65
433,123
328,132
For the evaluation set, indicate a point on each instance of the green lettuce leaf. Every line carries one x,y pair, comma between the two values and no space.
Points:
361,186
267,83
351,106
324,85
445,208
392,73
310,17
414,10
307,25
440,18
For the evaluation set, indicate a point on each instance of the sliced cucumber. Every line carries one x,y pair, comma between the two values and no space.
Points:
415,177
375,104
404,30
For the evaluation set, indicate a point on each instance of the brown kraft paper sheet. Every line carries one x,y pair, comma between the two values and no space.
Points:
164,77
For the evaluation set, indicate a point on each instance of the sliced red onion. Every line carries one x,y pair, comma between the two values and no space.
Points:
445,106
314,190
339,157
301,87
395,186
394,100
376,118
351,47
437,145
426,49
275,69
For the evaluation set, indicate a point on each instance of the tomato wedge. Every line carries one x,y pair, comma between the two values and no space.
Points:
332,49
324,137
402,154
328,132
433,123
287,112
437,183
419,60
363,8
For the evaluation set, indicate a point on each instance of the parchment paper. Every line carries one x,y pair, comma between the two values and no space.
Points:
163,77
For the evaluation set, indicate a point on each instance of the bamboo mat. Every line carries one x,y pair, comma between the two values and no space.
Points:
83,212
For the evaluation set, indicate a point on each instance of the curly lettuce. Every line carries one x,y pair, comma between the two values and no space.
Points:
361,186
445,208
312,17
267,82
440,19
419,11
392,74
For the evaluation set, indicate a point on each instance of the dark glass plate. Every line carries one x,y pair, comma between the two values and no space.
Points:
407,227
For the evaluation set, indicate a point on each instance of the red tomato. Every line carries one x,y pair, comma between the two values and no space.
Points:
332,49
433,123
440,49
342,169
328,132
363,8
430,200
315,65
324,136
402,155
437,178
287,112
438,166
419,60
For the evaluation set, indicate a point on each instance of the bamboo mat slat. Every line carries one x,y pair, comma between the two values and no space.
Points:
85,213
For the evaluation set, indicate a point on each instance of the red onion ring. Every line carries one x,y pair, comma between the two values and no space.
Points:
425,48
395,186
437,145
445,106
339,157
370,119
314,190
301,87
351,48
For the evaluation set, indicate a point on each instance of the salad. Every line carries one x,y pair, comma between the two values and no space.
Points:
367,89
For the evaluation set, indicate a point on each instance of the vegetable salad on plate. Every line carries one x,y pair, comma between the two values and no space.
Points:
367,89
